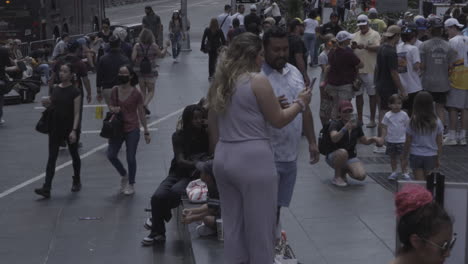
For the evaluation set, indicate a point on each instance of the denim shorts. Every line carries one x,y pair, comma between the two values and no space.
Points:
426,163
330,158
394,148
287,172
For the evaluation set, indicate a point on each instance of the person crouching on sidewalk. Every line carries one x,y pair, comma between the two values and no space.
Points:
345,133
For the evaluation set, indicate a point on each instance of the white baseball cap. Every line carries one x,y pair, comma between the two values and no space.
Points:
362,20
452,22
417,17
372,11
343,36
253,7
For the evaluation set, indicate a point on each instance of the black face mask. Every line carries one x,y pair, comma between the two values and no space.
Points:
123,79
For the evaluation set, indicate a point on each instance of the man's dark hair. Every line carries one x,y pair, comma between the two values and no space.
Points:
313,14
64,35
114,42
227,7
235,22
333,14
273,32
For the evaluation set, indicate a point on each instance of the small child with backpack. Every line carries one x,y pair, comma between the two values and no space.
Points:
394,126
423,137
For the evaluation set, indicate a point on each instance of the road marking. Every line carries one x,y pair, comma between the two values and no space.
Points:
99,131
85,155
84,106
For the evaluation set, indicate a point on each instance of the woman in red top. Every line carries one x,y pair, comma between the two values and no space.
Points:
125,98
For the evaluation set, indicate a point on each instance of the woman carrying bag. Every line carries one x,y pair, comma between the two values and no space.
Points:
64,125
127,100
213,39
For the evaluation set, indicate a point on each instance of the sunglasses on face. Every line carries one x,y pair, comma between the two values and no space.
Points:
446,246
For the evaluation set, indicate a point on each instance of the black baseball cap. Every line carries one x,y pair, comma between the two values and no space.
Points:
333,14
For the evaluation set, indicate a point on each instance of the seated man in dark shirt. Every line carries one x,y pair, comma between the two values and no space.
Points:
190,144
345,133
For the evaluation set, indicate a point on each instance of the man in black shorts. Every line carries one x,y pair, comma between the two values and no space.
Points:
436,57
387,79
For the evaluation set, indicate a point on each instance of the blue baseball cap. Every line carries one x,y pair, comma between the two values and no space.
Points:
421,23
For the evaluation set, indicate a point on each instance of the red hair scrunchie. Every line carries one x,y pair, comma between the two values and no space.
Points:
411,198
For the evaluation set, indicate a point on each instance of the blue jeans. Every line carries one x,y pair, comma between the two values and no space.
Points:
309,40
175,43
131,143
287,172
45,72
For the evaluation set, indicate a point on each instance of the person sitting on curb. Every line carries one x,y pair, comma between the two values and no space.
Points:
209,212
345,133
190,144
425,230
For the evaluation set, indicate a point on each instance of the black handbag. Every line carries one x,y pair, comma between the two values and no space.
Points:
43,125
112,125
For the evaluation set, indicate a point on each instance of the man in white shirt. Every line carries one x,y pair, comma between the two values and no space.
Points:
224,20
275,12
239,15
287,83
61,47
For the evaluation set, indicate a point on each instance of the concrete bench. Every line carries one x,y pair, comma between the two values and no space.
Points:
202,249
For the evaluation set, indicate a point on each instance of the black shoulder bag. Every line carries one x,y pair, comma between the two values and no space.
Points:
112,125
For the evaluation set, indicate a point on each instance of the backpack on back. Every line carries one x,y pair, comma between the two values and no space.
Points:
325,144
145,64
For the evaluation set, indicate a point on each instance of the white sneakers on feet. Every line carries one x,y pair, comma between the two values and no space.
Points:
380,150
123,183
450,142
2,121
203,230
393,176
406,176
130,190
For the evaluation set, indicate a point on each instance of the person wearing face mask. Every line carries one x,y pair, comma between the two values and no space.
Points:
127,99
425,230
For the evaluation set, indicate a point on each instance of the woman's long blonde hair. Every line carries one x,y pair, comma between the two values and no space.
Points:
239,58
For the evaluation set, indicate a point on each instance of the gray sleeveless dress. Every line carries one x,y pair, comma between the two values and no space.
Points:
247,180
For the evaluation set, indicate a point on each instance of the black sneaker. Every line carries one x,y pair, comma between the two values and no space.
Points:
151,239
43,192
76,187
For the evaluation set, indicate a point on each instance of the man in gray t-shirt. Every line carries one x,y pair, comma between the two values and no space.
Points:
436,58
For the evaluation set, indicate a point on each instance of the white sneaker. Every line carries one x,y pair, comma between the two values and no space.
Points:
462,141
406,176
393,176
450,142
148,224
2,121
380,150
203,230
123,183
130,190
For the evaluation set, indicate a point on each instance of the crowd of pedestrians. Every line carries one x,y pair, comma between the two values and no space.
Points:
245,135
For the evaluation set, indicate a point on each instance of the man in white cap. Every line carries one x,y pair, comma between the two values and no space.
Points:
366,43
252,21
342,71
375,23
457,99
387,79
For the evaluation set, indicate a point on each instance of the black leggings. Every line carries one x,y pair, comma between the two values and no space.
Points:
54,144
212,58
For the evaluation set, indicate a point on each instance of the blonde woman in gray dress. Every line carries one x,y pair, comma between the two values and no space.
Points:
241,103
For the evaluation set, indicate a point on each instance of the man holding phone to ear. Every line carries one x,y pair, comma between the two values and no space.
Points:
287,82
